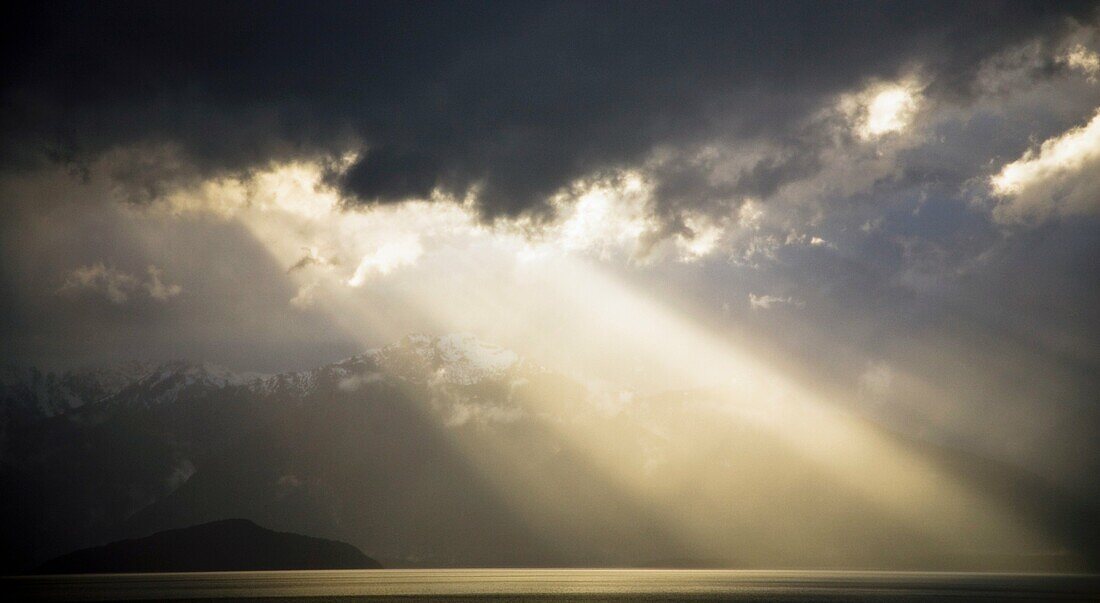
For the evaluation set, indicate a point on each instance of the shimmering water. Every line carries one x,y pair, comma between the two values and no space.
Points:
559,585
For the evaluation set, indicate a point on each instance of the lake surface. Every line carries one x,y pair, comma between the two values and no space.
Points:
558,585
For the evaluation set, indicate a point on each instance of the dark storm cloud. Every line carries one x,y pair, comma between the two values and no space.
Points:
516,99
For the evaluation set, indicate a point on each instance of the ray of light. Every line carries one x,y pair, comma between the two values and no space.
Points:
444,273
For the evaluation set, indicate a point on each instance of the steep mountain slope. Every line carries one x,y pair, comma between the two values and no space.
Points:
445,451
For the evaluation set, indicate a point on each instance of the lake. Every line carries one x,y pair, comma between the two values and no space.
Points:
558,585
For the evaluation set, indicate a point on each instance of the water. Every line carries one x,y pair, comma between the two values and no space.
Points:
558,585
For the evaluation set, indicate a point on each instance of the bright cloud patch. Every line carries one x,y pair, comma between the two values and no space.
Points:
324,244
1061,178
705,236
613,217
387,258
889,111
1084,60
601,217
883,108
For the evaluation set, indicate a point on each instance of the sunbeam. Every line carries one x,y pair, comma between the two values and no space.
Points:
736,434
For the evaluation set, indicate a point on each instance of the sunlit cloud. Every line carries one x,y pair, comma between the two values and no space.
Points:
603,217
1060,178
889,111
1082,59
750,214
323,242
703,237
883,108
388,257
757,249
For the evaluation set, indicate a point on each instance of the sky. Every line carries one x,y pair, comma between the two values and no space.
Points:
893,204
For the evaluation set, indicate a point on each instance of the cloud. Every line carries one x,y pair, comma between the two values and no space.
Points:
310,258
461,412
506,105
767,302
387,258
1061,178
157,289
696,153
353,383
306,296
118,286
603,217
1084,60
883,108
522,136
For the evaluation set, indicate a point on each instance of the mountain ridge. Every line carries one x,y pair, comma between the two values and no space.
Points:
445,452
457,359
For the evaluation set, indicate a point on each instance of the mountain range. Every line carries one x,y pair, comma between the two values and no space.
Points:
448,452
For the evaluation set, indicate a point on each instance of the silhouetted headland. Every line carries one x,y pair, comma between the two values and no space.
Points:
226,545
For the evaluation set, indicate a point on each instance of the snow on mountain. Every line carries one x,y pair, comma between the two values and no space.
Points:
457,359
467,360
167,382
185,373
448,360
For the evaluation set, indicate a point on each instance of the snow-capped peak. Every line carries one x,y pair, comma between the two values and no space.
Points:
165,383
466,359
455,359
192,374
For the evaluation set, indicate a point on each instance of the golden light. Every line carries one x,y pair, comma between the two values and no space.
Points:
381,272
